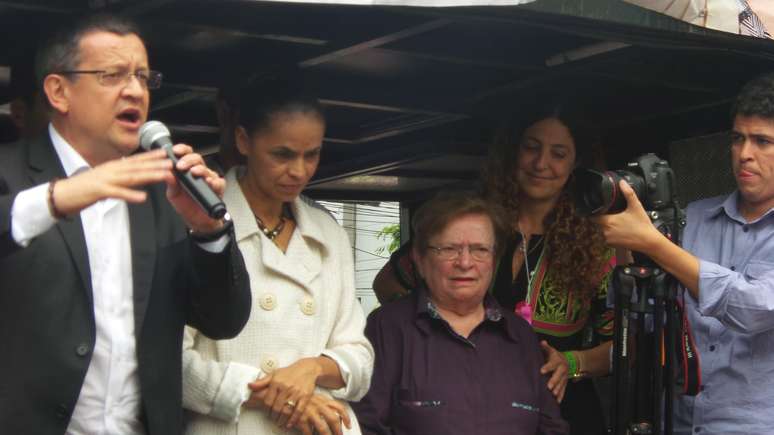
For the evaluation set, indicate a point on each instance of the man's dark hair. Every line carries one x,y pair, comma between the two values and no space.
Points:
756,98
61,52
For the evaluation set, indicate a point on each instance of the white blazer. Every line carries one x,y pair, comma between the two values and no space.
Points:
304,305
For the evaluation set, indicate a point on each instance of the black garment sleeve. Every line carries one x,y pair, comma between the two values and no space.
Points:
219,295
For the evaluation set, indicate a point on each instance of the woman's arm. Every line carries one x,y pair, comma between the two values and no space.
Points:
594,361
328,373
347,350
397,276
213,388
289,390
386,285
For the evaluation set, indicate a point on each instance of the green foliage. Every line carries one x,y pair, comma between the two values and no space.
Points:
391,234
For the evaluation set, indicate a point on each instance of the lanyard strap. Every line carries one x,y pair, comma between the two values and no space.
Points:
536,281
534,278
526,307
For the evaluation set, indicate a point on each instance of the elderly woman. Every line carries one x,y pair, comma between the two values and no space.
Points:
303,346
449,360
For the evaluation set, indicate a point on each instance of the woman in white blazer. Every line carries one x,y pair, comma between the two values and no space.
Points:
303,346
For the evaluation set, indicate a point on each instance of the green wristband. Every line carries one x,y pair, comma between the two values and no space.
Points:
572,362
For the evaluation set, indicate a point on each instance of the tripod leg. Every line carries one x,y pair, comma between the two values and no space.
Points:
671,328
621,405
657,361
643,386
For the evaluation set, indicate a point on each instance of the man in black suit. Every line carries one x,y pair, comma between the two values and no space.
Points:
99,274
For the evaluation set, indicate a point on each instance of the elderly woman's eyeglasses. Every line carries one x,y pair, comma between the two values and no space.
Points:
148,79
449,253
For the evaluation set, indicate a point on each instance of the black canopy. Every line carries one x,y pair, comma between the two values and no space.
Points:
413,93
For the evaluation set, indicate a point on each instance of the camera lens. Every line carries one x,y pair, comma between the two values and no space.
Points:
598,193
593,191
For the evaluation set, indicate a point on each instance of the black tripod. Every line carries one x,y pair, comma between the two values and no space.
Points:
645,324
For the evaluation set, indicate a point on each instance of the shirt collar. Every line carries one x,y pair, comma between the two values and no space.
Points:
492,309
730,206
72,161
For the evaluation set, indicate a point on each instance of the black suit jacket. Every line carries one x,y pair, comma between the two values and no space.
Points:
47,329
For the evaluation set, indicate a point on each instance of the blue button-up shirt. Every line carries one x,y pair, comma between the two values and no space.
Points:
732,322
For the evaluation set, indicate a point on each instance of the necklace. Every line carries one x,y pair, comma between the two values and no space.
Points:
524,242
538,242
525,252
272,234
524,308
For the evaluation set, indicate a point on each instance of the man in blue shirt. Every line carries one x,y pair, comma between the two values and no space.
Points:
727,266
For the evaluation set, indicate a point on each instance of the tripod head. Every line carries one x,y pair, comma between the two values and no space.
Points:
669,221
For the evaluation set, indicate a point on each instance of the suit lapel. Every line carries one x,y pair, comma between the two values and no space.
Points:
142,231
45,166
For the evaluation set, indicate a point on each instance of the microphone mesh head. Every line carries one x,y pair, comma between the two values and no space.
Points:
150,132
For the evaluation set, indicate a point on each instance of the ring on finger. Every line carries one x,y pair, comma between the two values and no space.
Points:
290,403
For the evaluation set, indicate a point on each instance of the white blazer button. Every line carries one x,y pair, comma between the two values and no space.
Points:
307,305
269,364
268,301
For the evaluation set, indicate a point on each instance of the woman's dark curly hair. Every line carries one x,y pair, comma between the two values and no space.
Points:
576,245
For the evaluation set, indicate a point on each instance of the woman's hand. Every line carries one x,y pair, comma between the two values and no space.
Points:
321,416
557,365
255,400
286,392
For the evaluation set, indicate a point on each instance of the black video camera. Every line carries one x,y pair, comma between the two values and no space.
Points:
650,177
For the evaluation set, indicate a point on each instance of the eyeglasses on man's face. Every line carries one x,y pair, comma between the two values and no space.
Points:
453,252
147,78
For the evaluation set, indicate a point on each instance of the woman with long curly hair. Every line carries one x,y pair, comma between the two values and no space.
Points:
556,266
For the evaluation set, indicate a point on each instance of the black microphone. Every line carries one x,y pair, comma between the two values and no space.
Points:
154,134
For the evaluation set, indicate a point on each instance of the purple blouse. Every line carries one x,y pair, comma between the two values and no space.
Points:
429,380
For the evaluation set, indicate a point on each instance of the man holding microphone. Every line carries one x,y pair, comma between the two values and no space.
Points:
99,273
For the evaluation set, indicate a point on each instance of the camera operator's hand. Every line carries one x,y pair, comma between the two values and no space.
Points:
632,228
